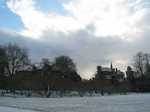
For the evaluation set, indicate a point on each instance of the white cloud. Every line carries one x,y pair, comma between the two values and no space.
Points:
36,22
110,18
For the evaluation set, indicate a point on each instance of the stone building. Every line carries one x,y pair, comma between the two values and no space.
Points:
109,73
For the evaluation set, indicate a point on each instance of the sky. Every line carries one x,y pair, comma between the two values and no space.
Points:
93,32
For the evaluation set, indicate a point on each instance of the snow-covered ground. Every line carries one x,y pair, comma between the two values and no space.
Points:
115,103
8,109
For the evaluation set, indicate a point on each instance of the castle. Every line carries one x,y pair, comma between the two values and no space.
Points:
109,73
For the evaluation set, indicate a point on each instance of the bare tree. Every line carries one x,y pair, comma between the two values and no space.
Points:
46,73
142,63
46,64
130,74
147,63
139,63
17,58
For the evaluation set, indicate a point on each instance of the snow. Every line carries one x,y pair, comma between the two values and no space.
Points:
114,103
8,109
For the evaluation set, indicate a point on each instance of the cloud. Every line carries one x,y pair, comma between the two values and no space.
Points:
110,18
93,32
36,22
86,50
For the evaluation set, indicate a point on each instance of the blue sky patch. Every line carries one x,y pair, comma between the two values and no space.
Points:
50,5
8,19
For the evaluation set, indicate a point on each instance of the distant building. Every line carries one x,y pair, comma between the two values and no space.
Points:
109,73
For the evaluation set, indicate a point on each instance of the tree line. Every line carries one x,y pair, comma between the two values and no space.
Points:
139,75
15,65
17,72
